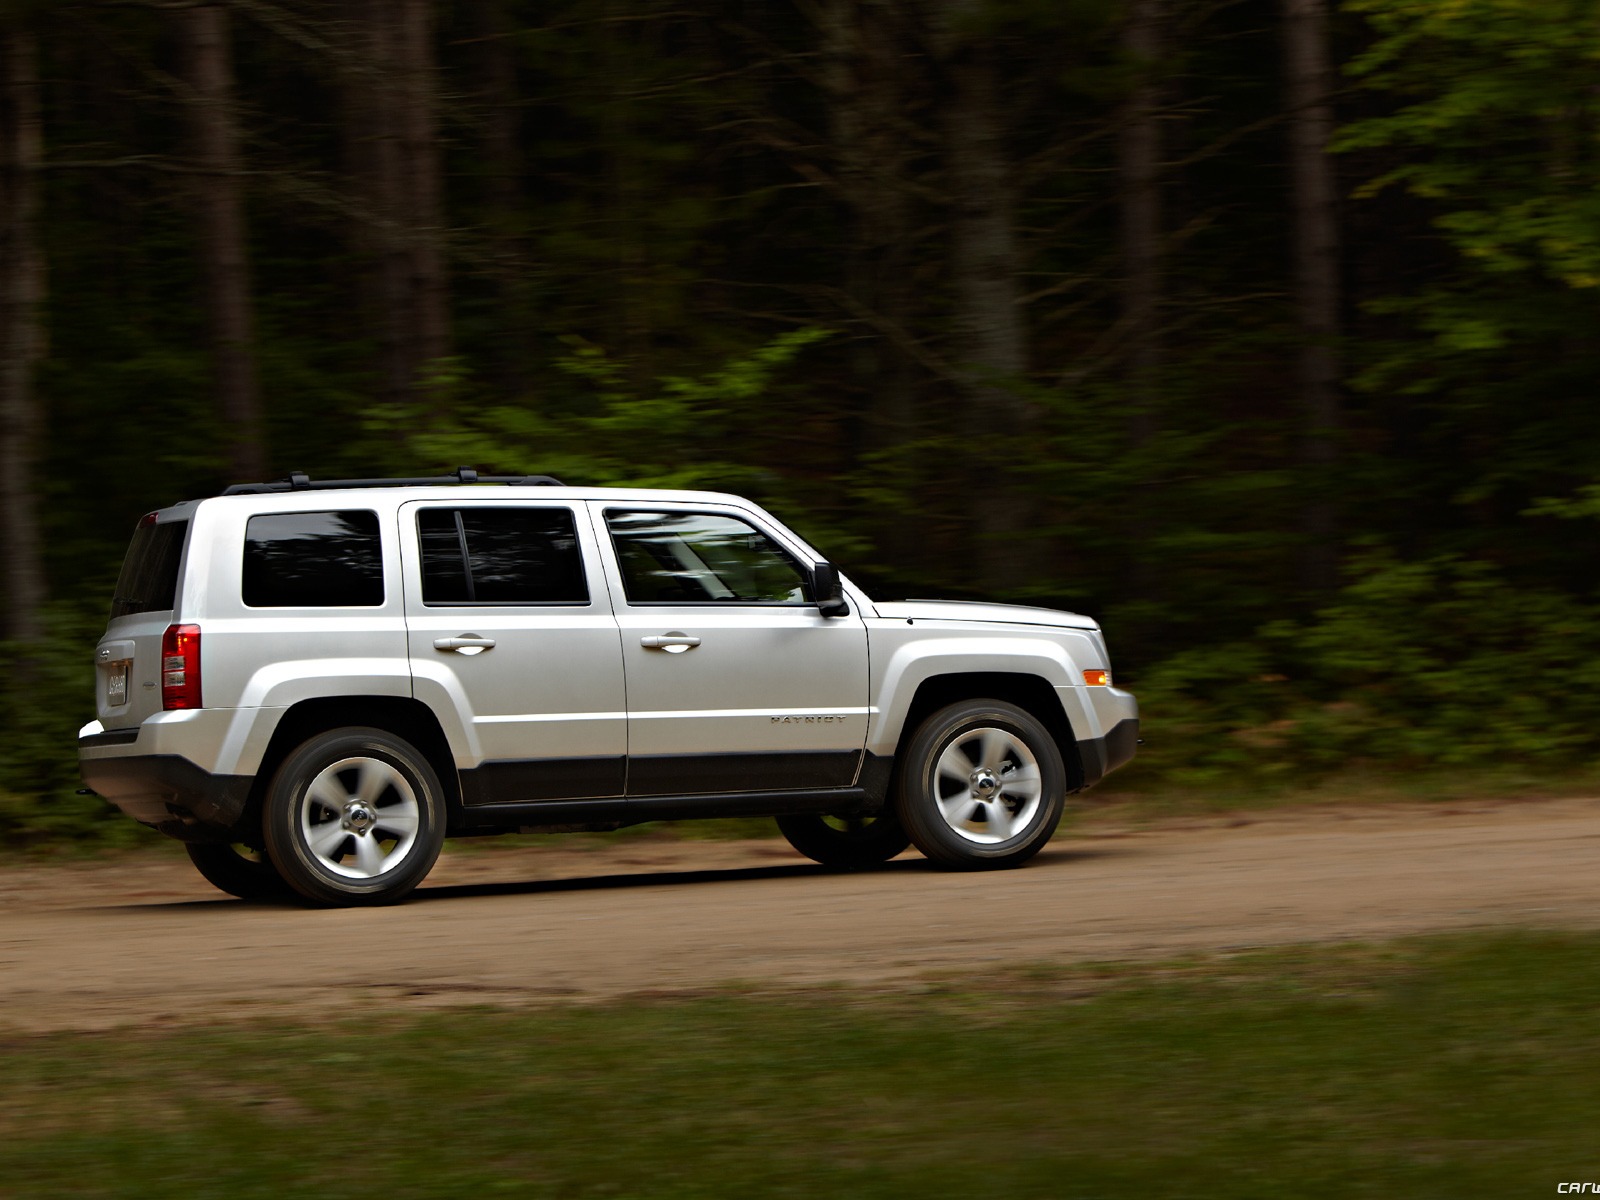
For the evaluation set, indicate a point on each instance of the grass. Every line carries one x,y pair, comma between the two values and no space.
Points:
1451,1066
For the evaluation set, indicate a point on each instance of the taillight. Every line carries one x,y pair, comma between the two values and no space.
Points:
180,667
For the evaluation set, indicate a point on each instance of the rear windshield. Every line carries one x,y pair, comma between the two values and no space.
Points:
149,579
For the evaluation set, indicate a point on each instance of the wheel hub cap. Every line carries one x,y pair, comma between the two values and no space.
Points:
988,785
358,818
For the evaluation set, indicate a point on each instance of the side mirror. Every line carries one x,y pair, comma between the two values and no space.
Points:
826,590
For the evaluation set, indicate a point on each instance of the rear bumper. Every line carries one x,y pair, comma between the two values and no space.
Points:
1102,755
166,791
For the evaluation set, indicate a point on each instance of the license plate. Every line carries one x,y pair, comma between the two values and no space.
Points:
117,684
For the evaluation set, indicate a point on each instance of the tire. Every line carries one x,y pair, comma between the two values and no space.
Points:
232,869
354,817
982,785
850,843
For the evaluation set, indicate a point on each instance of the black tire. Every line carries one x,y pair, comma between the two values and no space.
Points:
849,843
238,871
354,817
989,837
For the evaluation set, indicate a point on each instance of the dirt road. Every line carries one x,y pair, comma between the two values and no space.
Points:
93,945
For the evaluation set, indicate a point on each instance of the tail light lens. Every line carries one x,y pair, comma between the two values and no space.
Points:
180,667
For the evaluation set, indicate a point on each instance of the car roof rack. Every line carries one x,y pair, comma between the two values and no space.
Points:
299,481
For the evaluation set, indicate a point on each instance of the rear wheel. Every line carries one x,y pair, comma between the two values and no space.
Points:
982,785
238,870
847,843
354,817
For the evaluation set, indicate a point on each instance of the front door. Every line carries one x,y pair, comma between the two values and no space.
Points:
509,623
735,682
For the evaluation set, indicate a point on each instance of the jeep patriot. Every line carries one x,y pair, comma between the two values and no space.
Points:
313,683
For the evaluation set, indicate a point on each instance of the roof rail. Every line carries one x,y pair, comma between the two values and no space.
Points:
299,481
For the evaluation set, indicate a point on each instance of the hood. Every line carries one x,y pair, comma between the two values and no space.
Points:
1003,614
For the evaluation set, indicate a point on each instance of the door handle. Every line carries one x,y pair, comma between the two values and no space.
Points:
467,643
672,643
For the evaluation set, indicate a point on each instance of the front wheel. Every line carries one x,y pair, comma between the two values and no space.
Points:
982,785
354,817
848,843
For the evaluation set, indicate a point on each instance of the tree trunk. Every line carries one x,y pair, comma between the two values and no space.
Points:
224,259
499,124
419,145
866,55
22,283
989,324
499,97
1139,166
630,321
1316,282
394,156
1139,151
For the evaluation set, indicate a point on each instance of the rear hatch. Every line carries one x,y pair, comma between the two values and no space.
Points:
128,658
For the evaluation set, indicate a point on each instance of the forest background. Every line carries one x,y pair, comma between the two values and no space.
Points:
1263,330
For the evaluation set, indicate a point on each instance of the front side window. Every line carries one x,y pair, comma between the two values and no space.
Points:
313,560
500,556
694,558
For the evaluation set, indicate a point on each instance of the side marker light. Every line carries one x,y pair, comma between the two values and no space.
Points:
1097,678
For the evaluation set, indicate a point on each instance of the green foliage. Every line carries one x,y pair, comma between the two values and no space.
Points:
604,431
1488,128
1438,662
48,695
1584,504
1512,74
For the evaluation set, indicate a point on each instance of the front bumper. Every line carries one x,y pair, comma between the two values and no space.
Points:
1110,716
1102,755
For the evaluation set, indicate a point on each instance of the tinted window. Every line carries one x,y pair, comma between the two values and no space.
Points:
500,556
149,578
313,560
696,557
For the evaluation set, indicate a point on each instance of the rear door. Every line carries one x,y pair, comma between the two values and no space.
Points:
509,624
735,682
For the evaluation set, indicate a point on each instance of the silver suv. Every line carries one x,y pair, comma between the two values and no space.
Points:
313,684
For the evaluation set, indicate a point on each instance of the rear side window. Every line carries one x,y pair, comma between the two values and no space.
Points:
149,578
500,556
313,560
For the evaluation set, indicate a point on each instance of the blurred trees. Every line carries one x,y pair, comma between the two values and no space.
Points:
989,326
22,337
1486,360
1212,319
1309,81
390,128
222,249
1140,167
